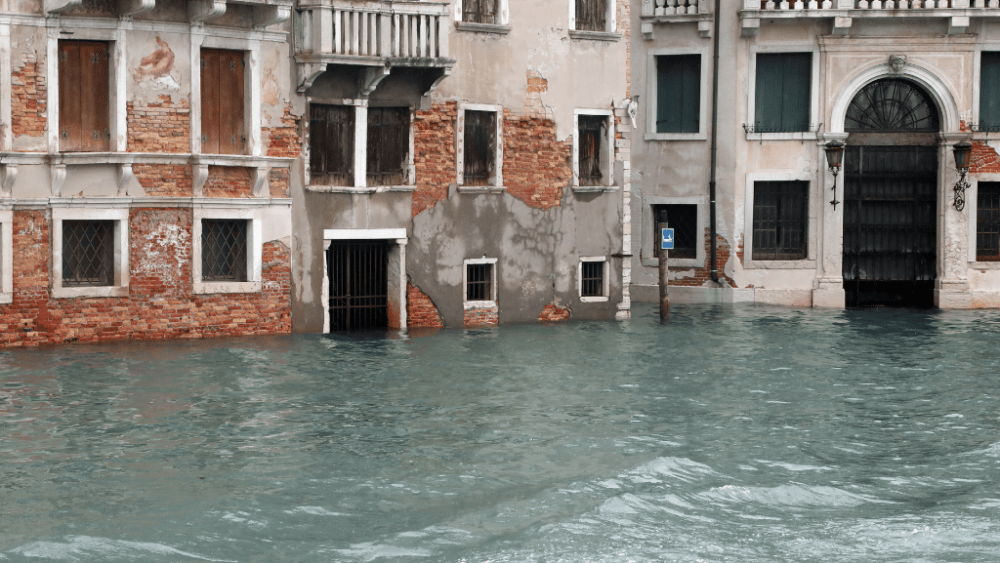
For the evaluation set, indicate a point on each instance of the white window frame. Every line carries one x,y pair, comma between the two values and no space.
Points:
479,304
814,111
611,21
6,256
609,148
255,249
812,229
648,241
651,89
605,283
121,250
503,26
360,139
495,183
251,88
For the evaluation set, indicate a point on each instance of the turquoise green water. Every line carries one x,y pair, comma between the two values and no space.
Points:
730,434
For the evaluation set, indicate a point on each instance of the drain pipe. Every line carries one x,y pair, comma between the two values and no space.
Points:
715,136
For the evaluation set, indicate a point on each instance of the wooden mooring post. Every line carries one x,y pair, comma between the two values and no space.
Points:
665,245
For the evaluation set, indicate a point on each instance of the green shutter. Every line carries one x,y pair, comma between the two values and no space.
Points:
678,93
989,91
795,97
782,95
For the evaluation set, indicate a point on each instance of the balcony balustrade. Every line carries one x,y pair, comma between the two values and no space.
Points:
958,12
675,11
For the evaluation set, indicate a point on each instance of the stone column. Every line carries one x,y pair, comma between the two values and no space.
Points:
828,289
951,290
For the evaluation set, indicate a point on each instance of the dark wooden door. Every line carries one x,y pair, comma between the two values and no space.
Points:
890,225
222,107
358,285
83,96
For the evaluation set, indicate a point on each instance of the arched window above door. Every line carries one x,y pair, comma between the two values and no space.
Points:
892,105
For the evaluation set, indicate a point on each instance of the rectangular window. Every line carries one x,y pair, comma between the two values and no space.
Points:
989,91
479,282
592,128
481,11
224,250
88,253
222,104
591,15
988,222
782,94
479,147
388,145
331,145
683,219
84,96
678,94
779,220
592,279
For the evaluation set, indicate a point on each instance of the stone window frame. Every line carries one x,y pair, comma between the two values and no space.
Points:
972,208
396,271
502,27
814,109
610,32
651,91
606,282
496,183
813,207
255,250
485,303
607,165
92,212
6,256
251,94
647,242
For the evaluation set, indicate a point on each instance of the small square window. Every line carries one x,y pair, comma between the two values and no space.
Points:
592,131
591,15
780,220
683,219
592,279
331,145
479,282
88,253
224,250
782,94
988,222
481,11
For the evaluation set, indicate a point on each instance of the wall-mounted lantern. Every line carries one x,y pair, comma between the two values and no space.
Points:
963,161
835,160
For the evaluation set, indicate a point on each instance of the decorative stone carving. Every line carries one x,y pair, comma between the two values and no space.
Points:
897,62
200,177
8,173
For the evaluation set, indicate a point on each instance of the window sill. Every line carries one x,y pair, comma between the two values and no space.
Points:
675,137
358,189
470,305
594,189
594,35
977,265
203,288
601,299
483,27
481,189
789,136
103,291
804,264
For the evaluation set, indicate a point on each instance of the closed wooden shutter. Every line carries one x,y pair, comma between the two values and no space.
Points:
783,92
222,105
83,96
678,94
331,145
989,92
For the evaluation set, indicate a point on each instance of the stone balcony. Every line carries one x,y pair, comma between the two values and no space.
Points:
843,12
374,35
660,12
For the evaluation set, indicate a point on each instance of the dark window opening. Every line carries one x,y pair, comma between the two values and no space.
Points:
480,147
331,145
779,220
479,282
388,145
683,219
83,96
988,222
782,97
481,11
359,285
224,250
591,130
678,94
88,253
591,15
592,279
222,108
989,91
891,105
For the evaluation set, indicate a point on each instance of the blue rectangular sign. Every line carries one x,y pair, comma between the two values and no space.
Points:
667,239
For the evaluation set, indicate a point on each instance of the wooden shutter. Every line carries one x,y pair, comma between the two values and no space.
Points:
989,92
678,94
83,96
782,95
222,103
331,145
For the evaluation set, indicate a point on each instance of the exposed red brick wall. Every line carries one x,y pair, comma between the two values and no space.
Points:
161,180
551,313
159,127
481,317
160,303
703,275
227,181
277,181
984,159
434,145
420,310
536,165
28,98
284,141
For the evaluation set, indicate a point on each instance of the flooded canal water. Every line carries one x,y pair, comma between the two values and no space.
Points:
746,434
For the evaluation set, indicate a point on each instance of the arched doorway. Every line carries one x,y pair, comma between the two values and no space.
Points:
890,196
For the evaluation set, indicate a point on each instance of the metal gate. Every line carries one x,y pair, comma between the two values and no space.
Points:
890,226
358,285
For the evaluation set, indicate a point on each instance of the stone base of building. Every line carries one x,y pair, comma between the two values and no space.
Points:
835,298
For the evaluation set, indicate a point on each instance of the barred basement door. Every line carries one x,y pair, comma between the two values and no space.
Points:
890,227
358,285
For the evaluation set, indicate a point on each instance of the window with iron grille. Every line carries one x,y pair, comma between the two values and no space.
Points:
592,129
480,142
222,102
224,250
479,282
331,145
88,253
592,279
678,94
481,11
780,220
591,15
84,96
782,96
988,222
388,145
683,219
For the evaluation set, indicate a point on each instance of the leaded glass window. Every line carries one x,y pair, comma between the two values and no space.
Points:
88,253
224,250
